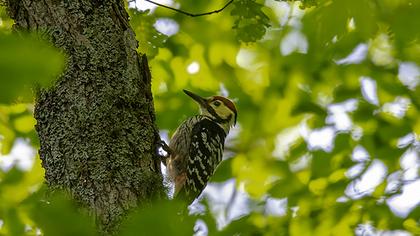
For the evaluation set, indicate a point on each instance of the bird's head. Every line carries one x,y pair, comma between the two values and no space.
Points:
220,109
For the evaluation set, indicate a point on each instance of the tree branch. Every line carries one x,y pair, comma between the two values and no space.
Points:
190,14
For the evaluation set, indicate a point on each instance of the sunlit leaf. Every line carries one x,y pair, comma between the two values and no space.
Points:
412,226
16,121
24,124
150,40
304,3
318,186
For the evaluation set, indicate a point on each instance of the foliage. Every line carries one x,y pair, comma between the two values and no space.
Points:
290,84
24,61
251,22
150,40
303,3
163,218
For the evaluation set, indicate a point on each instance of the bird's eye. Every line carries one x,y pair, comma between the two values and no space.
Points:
216,103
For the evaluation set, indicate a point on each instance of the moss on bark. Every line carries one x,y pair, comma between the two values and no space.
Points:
96,124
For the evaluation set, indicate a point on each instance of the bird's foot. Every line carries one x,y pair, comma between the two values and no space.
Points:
162,145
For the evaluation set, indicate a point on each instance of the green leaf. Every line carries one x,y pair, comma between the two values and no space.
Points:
16,121
415,213
332,18
25,123
303,3
380,189
251,22
342,93
242,226
390,131
364,112
6,22
25,62
162,218
405,22
308,107
412,225
320,164
286,187
223,171
297,150
60,216
13,223
150,40
13,176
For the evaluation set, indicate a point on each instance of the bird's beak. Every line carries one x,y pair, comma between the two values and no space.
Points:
200,100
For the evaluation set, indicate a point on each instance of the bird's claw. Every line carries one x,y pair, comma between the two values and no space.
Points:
166,148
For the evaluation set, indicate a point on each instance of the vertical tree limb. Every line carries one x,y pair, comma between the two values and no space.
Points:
96,125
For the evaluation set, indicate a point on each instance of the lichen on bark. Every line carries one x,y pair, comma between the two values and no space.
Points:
96,125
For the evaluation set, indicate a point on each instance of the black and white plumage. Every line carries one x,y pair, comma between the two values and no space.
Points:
197,145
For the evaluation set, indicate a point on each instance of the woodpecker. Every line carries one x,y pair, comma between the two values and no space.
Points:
196,148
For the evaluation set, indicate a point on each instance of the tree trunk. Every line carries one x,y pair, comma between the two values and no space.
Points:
96,125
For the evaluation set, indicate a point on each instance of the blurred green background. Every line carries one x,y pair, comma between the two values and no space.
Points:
327,141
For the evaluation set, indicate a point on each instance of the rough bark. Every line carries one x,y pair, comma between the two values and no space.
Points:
96,125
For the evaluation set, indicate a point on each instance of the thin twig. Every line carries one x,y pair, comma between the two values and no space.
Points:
190,14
